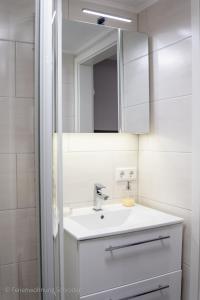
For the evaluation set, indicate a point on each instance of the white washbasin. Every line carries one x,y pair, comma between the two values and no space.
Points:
85,223
102,219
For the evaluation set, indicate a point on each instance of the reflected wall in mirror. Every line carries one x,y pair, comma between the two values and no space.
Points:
135,84
105,79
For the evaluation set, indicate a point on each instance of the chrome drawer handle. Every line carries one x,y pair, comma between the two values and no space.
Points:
160,238
160,288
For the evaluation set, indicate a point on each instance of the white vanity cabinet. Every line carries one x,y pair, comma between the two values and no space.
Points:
165,287
143,265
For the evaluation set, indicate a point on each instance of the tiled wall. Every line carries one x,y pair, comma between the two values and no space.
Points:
93,158
18,247
165,154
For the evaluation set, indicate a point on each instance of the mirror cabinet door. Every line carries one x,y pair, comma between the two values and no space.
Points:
135,83
96,60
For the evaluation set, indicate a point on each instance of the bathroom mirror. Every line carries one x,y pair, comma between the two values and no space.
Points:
105,79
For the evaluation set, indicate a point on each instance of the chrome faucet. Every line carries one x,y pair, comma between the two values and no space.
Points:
98,196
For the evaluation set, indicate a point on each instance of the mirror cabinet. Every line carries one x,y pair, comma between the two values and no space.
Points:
105,79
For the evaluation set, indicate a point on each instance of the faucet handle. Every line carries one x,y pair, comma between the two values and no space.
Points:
99,186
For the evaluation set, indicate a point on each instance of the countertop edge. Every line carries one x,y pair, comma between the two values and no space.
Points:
125,231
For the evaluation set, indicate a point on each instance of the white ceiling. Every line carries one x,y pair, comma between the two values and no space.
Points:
129,5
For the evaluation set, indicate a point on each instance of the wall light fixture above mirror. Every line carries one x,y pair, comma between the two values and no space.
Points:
105,15
105,79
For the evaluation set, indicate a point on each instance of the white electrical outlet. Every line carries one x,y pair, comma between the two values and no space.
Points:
126,174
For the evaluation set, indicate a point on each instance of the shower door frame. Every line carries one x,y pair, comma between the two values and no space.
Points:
46,108
195,236
46,151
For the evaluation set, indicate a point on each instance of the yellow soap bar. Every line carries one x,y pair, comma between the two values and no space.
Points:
128,202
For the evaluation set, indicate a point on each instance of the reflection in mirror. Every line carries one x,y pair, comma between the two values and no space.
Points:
90,89
135,90
105,79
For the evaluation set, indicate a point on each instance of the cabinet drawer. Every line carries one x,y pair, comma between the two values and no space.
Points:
114,261
167,287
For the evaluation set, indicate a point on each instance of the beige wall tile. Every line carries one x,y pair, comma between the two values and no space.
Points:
24,70
18,233
9,282
166,22
8,181
16,20
25,180
23,30
28,279
7,69
17,227
16,125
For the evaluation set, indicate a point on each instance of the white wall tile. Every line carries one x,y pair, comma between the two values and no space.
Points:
24,70
9,281
123,159
18,233
93,158
171,126
99,142
136,81
165,160
171,71
28,279
180,212
25,180
166,177
82,171
8,181
7,68
16,125
166,22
